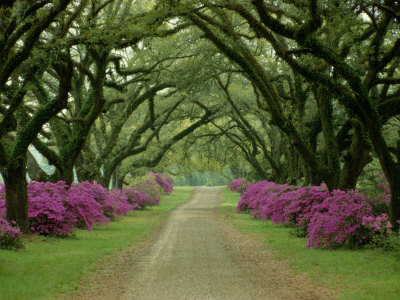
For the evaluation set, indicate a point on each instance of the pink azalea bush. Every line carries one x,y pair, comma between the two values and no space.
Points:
164,181
95,192
379,224
259,195
83,201
329,220
148,185
304,204
138,199
10,237
279,197
120,203
56,209
238,185
47,212
340,221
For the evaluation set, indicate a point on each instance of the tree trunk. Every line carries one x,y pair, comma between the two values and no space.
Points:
120,180
67,174
84,169
293,164
105,178
332,153
395,204
307,174
352,169
17,196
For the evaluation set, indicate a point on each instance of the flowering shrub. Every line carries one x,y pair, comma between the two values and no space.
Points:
329,220
304,203
86,205
138,199
339,221
112,204
279,196
259,195
10,237
379,224
3,209
238,185
55,209
47,213
164,181
119,203
148,185
93,190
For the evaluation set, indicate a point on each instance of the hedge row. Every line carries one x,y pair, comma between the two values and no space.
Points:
334,219
56,209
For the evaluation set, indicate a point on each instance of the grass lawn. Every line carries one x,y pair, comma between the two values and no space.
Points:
49,266
361,274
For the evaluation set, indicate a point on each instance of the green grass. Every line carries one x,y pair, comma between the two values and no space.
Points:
361,274
50,266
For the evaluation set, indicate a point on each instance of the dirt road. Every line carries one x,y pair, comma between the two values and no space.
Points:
197,257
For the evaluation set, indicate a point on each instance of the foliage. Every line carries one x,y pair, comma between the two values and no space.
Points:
128,87
387,242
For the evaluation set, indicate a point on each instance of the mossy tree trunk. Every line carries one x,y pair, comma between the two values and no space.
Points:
16,195
354,158
331,149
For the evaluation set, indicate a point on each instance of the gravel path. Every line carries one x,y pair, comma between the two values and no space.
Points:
193,259
196,255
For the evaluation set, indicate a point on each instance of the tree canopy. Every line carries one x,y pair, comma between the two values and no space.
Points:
291,91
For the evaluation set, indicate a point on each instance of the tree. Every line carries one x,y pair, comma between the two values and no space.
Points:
21,63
